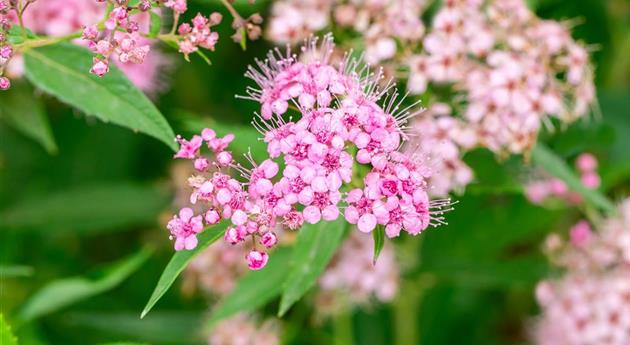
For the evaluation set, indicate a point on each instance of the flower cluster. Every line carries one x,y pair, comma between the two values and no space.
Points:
198,34
353,277
123,33
44,17
380,23
441,138
242,329
340,123
504,72
120,36
539,191
6,50
507,64
590,303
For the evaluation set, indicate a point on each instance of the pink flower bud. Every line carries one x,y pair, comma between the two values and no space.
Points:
90,32
257,260
208,134
239,217
268,239
184,29
6,52
212,217
581,234
586,163
367,223
201,163
591,180
224,158
5,83
99,67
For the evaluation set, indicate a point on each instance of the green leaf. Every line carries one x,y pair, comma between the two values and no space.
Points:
256,288
125,343
10,271
63,71
170,327
315,246
379,241
179,261
155,25
544,158
64,292
6,335
25,112
87,209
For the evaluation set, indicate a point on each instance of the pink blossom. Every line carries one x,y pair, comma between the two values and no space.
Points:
5,83
315,152
586,163
257,260
185,228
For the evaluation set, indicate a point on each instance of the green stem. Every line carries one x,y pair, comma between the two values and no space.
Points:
407,308
342,328
44,41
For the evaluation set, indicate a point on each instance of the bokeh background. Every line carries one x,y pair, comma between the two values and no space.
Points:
106,193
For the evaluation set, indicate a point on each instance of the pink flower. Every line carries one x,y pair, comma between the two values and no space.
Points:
591,180
268,239
189,149
581,233
257,260
185,228
586,163
99,67
5,83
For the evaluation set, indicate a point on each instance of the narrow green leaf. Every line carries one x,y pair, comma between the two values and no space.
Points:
6,335
256,288
125,343
543,157
63,71
25,112
161,327
379,241
10,271
155,25
179,261
64,292
87,209
315,246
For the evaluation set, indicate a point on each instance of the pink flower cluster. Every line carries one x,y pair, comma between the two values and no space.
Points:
353,277
539,191
506,63
590,303
339,115
506,72
380,23
198,34
243,329
122,36
441,138
45,17
6,50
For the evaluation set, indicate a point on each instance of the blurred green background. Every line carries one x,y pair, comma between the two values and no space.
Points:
104,195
